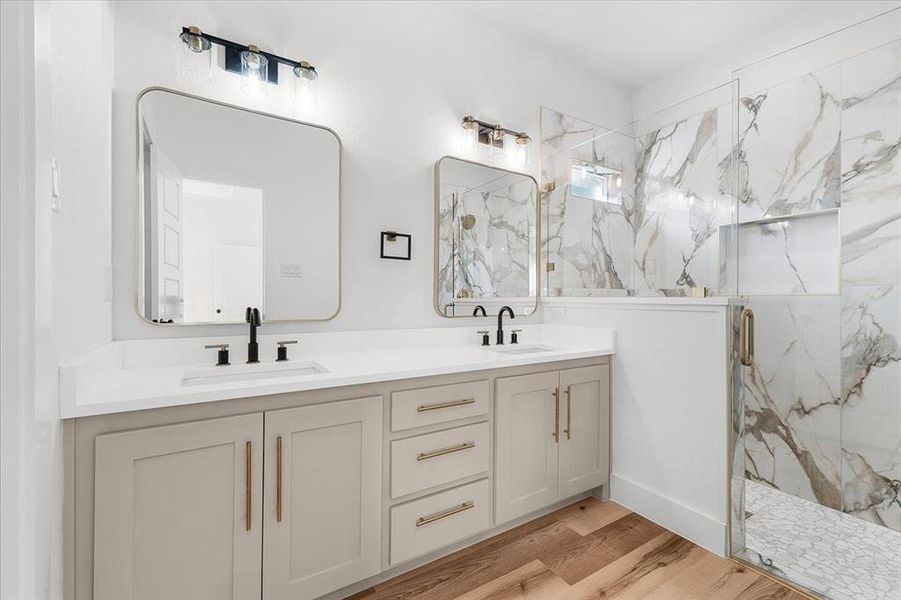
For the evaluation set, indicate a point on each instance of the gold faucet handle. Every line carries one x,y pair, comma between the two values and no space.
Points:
282,352
221,355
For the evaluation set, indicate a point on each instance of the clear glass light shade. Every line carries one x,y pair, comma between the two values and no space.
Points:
469,137
196,57
254,73
519,151
306,88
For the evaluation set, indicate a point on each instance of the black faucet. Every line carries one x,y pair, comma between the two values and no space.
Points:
478,308
252,316
500,322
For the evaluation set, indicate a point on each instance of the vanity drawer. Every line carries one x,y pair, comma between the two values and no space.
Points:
435,521
426,406
425,461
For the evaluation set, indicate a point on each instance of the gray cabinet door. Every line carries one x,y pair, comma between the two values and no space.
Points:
177,511
323,498
526,444
585,427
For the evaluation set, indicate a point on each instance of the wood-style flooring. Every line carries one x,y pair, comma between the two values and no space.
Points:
588,550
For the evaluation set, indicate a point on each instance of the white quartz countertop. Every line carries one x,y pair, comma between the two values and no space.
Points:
142,374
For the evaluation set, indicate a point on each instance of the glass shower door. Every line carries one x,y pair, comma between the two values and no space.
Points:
815,256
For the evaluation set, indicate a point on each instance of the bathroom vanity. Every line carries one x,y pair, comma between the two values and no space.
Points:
313,466
397,449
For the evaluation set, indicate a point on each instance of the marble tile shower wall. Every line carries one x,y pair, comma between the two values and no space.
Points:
589,243
822,406
660,236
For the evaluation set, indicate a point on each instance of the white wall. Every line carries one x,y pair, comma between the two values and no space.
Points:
81,97
670,408
704,74
30,466
396,78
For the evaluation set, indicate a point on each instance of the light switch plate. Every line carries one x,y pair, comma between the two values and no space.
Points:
290,270
56,201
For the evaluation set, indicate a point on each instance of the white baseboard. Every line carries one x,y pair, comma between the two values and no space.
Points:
701,529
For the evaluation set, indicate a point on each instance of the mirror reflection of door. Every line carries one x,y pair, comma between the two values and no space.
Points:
166,287
238,282
223,247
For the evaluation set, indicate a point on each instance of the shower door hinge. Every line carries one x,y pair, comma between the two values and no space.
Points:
551,266
549,187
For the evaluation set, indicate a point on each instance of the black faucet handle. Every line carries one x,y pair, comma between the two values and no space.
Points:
283,349
485,339
514,337
222,355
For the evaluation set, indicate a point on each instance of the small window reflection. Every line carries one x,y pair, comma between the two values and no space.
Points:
596,182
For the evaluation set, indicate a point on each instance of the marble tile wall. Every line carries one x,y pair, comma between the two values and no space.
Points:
588,242
789,147
674,213
790,398
662,238
871,276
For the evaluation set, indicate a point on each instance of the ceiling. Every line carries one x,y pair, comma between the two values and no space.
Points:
632,43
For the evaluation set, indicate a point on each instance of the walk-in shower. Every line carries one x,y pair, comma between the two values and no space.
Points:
815,257
781,191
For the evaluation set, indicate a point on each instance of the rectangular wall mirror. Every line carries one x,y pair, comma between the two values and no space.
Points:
237,209
486,239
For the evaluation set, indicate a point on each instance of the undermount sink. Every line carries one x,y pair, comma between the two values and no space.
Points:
523,349
236,373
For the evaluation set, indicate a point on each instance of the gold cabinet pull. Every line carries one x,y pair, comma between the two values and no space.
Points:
444,514
569,411
746,337
440,405
248,487
443,451
278,479
556,432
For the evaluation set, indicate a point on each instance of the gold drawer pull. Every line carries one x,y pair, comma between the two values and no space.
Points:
428,407
443,515
443,451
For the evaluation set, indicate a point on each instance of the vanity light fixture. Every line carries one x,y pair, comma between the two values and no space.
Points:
493,135
256,66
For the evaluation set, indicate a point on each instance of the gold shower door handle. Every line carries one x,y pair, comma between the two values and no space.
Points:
746,338
569,412
248,487
278,479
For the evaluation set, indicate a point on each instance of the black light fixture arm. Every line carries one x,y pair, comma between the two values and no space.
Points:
241,47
